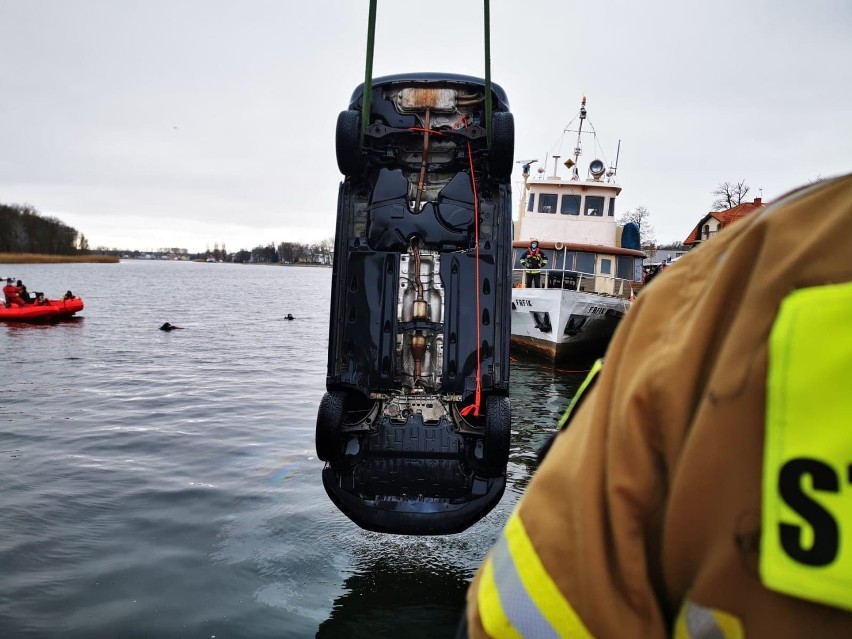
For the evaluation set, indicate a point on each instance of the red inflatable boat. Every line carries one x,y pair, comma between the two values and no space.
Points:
53,310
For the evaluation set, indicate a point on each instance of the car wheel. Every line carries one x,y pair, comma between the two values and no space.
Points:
498,433
502,155
329,421
348,142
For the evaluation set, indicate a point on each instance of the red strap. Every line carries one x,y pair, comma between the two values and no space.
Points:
474,408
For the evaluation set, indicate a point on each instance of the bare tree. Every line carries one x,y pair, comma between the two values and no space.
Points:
730,195
640,216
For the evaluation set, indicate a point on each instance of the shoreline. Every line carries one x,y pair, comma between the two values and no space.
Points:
299,264
38,258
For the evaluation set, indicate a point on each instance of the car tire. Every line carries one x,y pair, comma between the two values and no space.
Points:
502,156
348,142
498,434
329,422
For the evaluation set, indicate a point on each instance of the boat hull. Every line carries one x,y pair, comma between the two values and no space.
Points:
52,311
562,324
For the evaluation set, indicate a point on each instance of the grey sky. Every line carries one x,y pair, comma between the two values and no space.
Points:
190,122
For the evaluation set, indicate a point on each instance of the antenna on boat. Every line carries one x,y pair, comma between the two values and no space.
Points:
555,157
614,169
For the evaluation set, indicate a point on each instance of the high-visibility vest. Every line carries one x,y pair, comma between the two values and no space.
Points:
534,260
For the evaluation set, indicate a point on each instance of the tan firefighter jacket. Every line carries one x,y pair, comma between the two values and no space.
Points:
703,486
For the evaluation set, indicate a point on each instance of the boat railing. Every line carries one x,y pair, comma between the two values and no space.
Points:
575,281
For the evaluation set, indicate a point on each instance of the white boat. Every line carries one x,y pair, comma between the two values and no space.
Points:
594,267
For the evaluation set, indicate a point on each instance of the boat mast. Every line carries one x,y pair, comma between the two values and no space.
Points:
613,170
578,149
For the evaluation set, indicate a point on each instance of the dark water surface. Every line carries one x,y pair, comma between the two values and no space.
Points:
165,484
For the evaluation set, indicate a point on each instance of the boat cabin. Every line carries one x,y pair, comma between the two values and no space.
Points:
570,211
574,223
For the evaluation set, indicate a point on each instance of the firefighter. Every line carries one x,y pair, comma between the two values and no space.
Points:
702,486
533,260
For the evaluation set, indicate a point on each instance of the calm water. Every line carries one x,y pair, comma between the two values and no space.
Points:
165,484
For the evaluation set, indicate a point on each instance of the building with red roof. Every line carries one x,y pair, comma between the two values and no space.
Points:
715,221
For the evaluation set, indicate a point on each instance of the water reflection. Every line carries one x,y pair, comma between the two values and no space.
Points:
540,393
394,593
21,329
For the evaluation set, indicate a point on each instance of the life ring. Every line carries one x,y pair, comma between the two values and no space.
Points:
559,246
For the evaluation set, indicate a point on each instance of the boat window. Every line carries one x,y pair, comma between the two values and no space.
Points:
519,255
570,205
558,263
637,269
624,267
611,211
530,203
594,205
585,262
569,260
547,203
606,266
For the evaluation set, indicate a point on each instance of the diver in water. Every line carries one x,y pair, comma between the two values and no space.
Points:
169,327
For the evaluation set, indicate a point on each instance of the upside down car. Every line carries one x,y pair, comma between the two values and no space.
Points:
415,424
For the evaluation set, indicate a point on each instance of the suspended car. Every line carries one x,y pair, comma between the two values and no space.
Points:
415,424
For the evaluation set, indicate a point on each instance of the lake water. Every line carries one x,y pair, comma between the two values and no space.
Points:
165,484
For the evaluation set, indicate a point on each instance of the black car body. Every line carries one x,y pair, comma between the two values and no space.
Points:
416,422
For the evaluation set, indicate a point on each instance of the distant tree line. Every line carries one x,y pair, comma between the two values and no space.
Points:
24,230
286,253
283,253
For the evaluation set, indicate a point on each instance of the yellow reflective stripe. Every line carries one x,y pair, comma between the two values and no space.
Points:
699,622
517,598
805,548
680,629
730,625
518,605
494,620
596,368
538,584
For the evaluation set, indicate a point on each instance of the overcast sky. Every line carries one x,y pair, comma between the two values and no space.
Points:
185,123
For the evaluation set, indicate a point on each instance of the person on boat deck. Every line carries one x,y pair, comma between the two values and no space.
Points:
10,292
22,291
700,483
533,260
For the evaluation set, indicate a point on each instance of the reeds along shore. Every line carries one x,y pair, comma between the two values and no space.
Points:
36,258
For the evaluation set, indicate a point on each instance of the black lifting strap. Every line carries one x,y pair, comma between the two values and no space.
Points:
368,70
489,108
